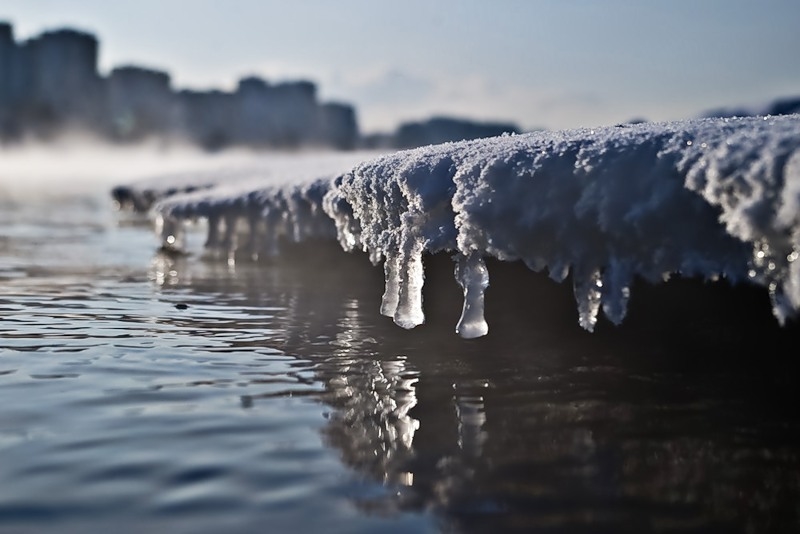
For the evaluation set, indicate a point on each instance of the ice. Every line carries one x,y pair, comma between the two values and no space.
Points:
140,195
709,198
411,277
588,286
615,284
391,293
171,232
248,209
473,277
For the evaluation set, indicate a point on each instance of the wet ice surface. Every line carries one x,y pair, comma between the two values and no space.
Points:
142,392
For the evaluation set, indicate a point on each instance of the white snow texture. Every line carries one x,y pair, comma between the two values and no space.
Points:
705,198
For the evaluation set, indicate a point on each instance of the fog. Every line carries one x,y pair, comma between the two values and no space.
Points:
77,166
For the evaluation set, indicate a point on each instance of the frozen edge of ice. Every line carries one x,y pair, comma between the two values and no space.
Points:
712,198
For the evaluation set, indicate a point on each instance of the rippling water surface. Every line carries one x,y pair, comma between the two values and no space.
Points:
141,392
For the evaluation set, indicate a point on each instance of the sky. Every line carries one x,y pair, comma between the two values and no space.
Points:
540,64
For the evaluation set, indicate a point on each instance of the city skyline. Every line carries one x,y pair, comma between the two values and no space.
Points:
50,86
539,64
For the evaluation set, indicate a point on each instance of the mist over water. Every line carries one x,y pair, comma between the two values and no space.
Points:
143,391
87,166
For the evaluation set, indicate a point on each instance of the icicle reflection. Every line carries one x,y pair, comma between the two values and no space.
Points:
163,271
371,424
531,427
371,395
471,416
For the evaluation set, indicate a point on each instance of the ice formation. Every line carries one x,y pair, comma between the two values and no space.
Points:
140,195
275,197
705,198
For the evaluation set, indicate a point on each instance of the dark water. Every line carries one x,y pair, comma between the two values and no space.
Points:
146,393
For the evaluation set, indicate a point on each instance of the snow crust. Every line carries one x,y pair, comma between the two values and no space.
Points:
272,169
248,208
709,198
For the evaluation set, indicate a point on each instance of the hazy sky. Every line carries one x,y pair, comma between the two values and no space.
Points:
554,64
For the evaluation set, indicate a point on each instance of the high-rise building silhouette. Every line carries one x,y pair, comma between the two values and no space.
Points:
50,84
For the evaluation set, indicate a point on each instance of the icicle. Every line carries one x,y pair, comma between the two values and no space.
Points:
253,246
587,288
212,239
792,283
781,273
781,307
271,248
272,231
297,220
473,277
347,232
558,270
170,230
228,243
535,264
616,290
412,277
375,255
392,285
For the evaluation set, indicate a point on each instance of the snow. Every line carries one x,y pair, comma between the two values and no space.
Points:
275,168
710,198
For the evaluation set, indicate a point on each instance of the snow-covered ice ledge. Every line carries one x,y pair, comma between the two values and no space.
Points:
705,198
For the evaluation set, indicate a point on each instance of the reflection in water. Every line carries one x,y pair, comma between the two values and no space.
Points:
471,416
538,425
370,422
371,394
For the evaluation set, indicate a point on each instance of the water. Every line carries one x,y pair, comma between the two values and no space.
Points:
141,392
